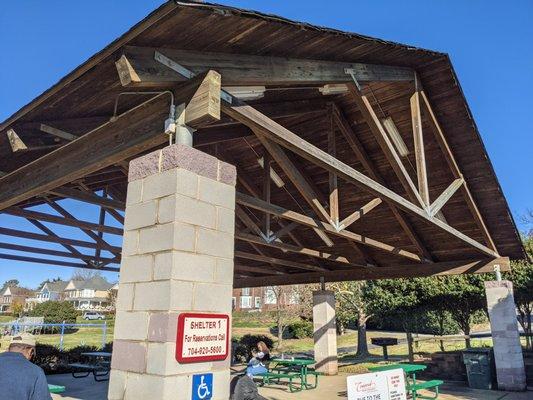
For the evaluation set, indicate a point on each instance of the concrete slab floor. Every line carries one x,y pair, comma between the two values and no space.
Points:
330,387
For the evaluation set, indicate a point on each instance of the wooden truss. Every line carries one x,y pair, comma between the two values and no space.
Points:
195,81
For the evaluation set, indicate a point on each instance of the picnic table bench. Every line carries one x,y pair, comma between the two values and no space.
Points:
412,385
56,388
98,365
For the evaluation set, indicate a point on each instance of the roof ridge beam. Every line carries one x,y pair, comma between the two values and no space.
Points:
150,66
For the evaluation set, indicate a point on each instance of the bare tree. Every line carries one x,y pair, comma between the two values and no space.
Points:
83,274
351,305
286,307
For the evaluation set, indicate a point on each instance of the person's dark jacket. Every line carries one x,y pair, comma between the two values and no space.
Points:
244,388
20,379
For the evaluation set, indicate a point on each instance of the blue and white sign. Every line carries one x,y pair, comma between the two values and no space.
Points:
202,386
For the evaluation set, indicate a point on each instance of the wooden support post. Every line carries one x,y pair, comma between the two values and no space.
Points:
418,136
333,183
266,192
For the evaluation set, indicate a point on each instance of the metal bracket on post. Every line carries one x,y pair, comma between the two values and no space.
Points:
351,72
322,283
184,133
498,273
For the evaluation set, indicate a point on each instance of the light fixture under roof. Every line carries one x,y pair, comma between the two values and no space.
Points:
246,92
334,88
395,136
273,174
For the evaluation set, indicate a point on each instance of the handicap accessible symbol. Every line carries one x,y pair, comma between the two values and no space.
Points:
202,387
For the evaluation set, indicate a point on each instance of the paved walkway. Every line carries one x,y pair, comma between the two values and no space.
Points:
330,387
334,387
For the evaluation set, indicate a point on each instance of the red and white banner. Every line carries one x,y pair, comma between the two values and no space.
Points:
202,337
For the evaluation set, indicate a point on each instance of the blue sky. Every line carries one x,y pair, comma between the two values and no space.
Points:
490,44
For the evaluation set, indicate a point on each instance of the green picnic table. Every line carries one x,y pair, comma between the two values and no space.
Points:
300,365
56,389
409,369
411,384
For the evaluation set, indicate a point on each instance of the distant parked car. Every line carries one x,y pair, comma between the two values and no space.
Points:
92,315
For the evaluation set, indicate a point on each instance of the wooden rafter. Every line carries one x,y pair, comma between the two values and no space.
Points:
277,261
357,214
298,179
372,171
265,126
450,159
434,269
385,143
445,196
67,254
324,226
50,237
100,242
40,216
322,255
418,136
138,129
36,260
333,183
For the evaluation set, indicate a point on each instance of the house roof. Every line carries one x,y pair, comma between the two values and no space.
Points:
16,291
57,286
95,283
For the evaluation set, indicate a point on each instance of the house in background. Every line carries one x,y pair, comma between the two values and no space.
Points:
91,294
13,295
261,299
50,291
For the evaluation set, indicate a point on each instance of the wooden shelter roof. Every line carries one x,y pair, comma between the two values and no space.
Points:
85,99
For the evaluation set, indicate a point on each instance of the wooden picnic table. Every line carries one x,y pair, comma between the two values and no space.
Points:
299,364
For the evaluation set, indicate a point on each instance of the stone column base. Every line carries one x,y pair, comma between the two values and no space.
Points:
325,332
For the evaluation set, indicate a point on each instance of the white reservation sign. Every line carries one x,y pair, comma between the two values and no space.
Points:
385,385
202,337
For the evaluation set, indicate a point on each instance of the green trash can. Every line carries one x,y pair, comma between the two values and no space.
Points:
480,368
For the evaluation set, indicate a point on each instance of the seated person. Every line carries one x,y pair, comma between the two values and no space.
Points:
19,378
257,365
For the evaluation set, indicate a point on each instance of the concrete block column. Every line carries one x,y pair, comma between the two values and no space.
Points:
177,256
510,370
325,332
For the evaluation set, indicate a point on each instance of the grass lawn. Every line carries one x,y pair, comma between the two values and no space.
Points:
89,336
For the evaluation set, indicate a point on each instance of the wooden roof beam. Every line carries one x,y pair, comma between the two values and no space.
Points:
372,171
364,106
56,262
456,171
322,255
263,206
277,261
400,271
66,254
138,129
51,239
40,216
152,67
269,128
